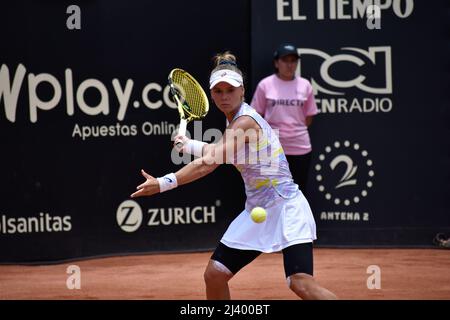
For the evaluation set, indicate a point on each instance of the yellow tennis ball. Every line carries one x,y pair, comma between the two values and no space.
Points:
258,214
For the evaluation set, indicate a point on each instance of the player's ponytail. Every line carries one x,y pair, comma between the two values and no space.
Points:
224,58
227,61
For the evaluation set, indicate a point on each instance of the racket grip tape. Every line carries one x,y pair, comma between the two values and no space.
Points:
182,128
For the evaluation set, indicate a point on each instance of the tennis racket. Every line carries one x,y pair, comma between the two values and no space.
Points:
191,99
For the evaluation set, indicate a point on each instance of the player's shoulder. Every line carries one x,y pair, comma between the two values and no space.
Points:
244,122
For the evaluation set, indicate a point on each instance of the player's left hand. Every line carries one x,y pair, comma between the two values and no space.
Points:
148,188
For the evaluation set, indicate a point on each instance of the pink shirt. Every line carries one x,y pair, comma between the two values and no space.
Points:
285,106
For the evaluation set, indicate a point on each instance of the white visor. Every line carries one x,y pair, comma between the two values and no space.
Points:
228,76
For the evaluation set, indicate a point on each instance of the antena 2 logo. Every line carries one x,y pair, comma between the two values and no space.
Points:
344,173
367,74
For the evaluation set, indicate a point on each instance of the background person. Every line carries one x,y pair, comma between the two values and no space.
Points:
286,102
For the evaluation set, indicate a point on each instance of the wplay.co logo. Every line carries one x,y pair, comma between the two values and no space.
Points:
344,173
372,64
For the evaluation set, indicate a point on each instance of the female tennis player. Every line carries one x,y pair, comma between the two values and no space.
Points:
252,146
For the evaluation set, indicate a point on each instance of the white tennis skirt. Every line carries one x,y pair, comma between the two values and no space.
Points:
288,222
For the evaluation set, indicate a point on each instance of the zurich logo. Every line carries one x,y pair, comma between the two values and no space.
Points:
129,216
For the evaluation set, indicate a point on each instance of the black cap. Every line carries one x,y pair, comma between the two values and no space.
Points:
285,50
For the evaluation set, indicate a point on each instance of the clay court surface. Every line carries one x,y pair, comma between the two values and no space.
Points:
405,274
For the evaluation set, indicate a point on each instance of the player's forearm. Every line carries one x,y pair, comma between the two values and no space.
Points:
194,171
207,148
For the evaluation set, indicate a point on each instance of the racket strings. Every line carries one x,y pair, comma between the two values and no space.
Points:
191,94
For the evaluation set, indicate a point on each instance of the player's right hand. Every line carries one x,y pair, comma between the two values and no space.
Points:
180,142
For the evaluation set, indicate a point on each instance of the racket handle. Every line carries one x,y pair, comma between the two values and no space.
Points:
182,129
181,132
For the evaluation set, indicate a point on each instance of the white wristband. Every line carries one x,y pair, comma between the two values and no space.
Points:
194,147
168,182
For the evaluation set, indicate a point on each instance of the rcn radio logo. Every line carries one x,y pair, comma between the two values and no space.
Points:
130,216
351,80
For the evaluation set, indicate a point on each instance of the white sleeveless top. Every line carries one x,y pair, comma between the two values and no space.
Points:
268,184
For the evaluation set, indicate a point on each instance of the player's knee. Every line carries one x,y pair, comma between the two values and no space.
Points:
301,284
217,273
